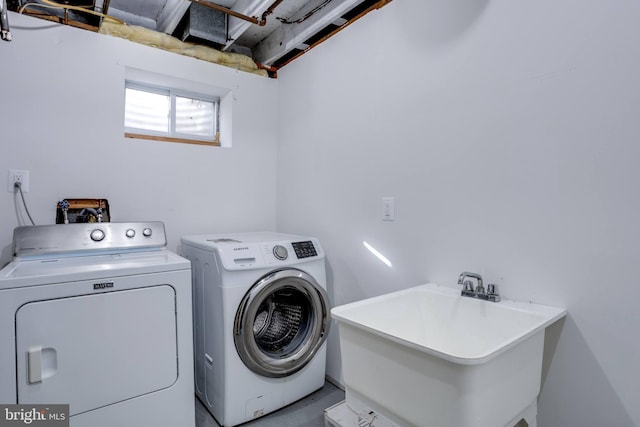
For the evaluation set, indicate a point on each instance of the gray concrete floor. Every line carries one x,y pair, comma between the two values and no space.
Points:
307,412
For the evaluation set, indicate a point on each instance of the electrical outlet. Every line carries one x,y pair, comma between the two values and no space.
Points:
18,175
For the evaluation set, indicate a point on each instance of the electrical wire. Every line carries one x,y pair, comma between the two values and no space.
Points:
53,5
19,187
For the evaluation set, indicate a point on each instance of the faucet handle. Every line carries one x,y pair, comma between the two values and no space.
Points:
467,286
492,293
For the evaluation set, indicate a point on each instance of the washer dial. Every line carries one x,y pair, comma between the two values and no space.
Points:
280,252
97,235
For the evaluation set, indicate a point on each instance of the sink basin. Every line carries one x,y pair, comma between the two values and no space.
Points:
426,356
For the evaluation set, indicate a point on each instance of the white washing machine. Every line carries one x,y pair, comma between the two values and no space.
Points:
98,316
261,318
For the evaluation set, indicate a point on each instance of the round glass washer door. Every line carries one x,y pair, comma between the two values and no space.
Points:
281,323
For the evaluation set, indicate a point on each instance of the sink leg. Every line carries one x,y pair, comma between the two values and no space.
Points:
526,418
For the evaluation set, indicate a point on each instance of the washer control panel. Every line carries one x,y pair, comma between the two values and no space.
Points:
245,251
100,231
304,249
111,237
290,252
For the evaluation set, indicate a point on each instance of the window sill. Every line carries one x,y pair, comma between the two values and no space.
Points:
214,143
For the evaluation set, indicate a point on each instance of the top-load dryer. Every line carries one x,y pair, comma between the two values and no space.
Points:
98,316
261,318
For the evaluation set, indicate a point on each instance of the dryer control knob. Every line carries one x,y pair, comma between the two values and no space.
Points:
97,235
146,232
130,233
280,252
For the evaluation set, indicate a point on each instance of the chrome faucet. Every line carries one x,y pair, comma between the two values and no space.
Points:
476,276
479,291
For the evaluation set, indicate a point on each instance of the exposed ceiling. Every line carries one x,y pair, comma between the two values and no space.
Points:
271,32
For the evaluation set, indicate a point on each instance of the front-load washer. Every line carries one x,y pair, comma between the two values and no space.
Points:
261,318
98,317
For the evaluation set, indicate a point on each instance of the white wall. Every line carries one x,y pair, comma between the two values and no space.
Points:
61,118
508,133
506,130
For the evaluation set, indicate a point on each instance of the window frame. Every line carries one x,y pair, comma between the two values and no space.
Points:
171,135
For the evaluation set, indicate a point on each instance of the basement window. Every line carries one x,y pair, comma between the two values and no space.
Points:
167,114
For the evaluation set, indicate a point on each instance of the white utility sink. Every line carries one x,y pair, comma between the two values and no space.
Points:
426,356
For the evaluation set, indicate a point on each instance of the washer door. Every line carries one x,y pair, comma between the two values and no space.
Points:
281,323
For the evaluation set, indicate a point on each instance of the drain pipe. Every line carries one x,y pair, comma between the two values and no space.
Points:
5,31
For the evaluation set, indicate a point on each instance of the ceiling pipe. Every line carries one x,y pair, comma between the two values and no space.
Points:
269,11
253,19
5,31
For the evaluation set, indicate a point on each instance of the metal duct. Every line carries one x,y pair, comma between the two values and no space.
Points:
254,20
203,23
